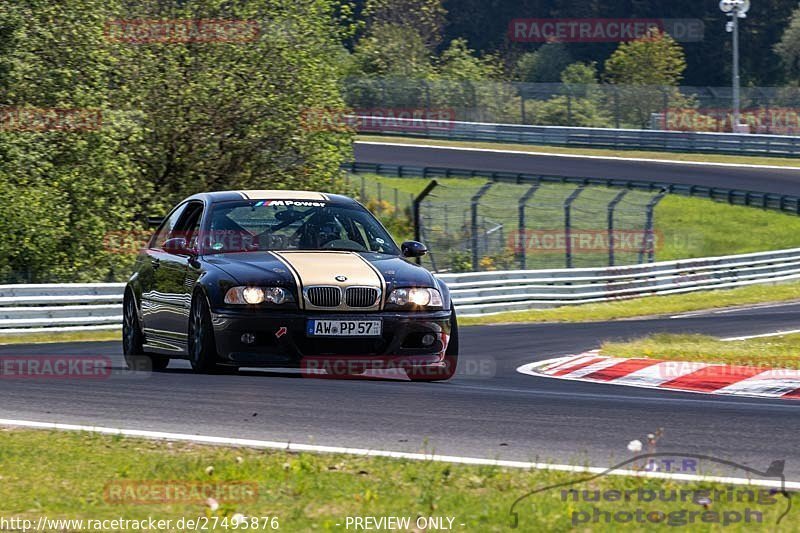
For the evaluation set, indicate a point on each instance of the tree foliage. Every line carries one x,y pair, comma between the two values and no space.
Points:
426,17
788,48
654,60
177,118
543,65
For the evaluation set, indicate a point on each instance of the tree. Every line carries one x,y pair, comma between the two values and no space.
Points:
392,51
62,189
580,106
470,84
654,60
544,65
647,72
230,114
177,118
789,47
426,17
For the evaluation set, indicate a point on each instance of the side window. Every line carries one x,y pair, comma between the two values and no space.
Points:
359,234
167,228
189,224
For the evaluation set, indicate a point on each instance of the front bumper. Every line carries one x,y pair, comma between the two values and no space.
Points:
280,339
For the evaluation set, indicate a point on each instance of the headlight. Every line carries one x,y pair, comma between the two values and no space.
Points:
418,297
257,295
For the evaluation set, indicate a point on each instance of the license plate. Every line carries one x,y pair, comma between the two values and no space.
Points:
344,328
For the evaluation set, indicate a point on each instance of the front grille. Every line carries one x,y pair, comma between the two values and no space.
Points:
324,296
361,296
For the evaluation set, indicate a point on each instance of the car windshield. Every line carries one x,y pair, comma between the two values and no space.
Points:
264,225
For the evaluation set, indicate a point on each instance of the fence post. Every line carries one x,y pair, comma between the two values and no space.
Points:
616,106
521,240
363,189
569,107
396,203
611,206
647,243
380,198
476,198
568,223
415,208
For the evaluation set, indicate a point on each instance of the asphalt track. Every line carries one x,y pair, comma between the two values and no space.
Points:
773,180
488,410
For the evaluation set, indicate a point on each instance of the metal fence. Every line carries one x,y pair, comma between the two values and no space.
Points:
82,307
473,226
672,141
779,202
766,110
381,199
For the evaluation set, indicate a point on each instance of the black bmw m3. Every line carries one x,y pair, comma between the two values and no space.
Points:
285,279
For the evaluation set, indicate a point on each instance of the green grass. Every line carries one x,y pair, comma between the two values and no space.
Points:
64,475
775,352
62,336
694,227
649,306
667,156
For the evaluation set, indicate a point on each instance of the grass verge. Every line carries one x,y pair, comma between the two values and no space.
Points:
74,475
642,154
775,352
62,336
649,306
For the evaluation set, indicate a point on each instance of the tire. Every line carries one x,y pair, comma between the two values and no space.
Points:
201,345
133,340
450,359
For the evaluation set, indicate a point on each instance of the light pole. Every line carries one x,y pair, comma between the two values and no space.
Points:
735,9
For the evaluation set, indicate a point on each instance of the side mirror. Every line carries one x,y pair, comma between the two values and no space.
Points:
177,246
413,249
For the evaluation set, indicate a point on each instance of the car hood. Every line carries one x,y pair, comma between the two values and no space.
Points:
321,268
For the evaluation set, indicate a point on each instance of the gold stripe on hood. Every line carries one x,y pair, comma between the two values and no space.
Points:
321,268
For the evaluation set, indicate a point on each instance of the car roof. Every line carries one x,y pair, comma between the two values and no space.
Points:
269,194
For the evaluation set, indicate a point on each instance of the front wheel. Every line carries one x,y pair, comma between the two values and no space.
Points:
202,348
448,369
133,340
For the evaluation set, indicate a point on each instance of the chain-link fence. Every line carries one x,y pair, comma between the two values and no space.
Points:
469,226
770,110
380,198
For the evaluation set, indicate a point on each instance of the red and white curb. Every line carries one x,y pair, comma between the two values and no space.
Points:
707,378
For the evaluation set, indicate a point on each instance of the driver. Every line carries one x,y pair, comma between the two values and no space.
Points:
321,229
328,230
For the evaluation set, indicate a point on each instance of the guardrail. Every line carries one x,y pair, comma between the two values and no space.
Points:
38,308
778,202
97,306
477,293
661,140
